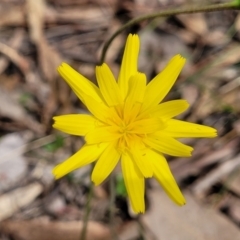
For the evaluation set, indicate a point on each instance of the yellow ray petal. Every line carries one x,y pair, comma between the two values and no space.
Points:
75,124
165,144
178,129
136,92
79,83
158,88
129,63
86,155
134,182
102,134
105,164
141,158
165,178
170,109
146,126
108,85
99,110
137,87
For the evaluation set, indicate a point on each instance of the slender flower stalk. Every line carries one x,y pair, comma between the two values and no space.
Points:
235,4
128,123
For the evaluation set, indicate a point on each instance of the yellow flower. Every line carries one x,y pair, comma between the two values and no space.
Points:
127,123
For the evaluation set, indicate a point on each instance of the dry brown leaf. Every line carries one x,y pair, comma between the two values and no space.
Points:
227,57
91,14
192,221
39,230
196,23
14,15
216,38
15,57
237,22
14,43
185,166
203,184
204,106
102,3
11,15
35,85
13,201
129,231
35,15
186,36
190,92
49,59
234,208
12,168
10,108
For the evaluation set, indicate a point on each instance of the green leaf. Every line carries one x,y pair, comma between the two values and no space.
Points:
236,3
120,186
58,143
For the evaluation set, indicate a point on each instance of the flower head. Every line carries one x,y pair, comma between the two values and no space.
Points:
127,122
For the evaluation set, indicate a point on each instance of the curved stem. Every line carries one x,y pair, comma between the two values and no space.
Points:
167,13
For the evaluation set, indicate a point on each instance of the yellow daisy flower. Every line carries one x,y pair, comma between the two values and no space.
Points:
127,123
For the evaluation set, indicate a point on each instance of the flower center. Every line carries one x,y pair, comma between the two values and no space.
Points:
126,129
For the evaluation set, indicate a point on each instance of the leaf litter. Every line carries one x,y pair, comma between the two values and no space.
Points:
36,36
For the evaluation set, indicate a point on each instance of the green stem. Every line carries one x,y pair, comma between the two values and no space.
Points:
167,13
112,207
87,213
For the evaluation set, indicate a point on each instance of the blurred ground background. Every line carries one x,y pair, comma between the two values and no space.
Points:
35,37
